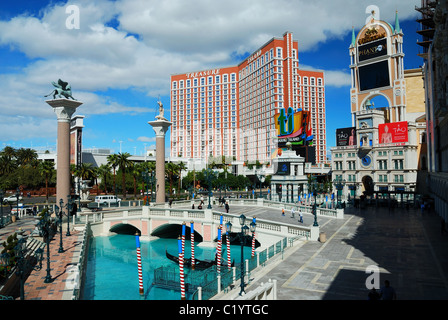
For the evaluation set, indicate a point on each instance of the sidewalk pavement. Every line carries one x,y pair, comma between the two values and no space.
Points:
405,246
35,288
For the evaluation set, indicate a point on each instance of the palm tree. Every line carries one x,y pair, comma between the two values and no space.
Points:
25,156
86,171
112,161
171,169
47,170
104,174
136,171
6,165
124,163
181,167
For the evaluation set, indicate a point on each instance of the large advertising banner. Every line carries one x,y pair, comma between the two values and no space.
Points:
346,137
293,127
393,133
372,50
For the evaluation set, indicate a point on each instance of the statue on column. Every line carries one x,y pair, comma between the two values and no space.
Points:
160,116
62,89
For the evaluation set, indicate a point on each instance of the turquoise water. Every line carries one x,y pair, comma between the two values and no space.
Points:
112,267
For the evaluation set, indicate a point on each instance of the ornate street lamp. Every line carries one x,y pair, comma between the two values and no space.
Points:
209,174
59,214
244,232
45,227
1,209
17,198
315,187
339,184
25,263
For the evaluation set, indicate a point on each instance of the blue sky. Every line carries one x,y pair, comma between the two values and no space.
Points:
120,59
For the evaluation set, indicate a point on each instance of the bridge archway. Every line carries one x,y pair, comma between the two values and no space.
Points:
125,228
172,231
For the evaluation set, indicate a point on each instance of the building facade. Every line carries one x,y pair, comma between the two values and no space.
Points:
382,151
230,111
434,31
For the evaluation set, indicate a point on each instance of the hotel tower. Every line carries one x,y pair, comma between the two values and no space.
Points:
230,111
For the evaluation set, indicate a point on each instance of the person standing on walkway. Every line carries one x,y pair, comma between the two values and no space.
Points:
227,207
292,212
283,211
387,292
300,216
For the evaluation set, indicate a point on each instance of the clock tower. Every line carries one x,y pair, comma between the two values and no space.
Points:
377,155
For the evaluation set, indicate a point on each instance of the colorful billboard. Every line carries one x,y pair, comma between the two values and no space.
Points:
346,137
393,133
293,127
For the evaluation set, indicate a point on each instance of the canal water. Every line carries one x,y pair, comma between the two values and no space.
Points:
112,272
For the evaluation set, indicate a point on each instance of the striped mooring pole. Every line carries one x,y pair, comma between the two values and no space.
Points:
229,264
181,270
253,240
139,263
192,244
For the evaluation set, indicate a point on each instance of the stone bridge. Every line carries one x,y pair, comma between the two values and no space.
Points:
157,221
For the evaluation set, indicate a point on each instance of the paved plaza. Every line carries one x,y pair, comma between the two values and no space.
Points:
406,245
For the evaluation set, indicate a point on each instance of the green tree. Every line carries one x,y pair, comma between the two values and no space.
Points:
181,167
104,174
112,161
25,156
171,170
47,170
124,163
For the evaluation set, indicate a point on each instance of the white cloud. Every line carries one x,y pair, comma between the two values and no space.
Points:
146,139
139,43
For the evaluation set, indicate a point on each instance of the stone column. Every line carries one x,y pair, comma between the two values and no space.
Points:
64,109
160,127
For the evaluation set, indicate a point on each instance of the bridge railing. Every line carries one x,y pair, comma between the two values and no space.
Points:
179,215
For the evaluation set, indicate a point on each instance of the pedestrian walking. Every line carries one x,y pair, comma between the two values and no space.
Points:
300,216
387,292
283,211
227,207
292,212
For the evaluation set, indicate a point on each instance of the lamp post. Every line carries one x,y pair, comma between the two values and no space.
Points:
68,206
17,198
339,184
244,231
1,209
209,174
26,263
145,176
314,187
59,214
261,178
45,226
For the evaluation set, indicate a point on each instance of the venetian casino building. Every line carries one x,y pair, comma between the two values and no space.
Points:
385,148
230,111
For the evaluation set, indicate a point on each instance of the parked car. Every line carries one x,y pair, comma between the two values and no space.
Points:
11,198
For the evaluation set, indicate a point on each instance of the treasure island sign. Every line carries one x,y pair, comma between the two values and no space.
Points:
293,128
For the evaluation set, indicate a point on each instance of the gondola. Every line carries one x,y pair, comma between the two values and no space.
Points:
198,264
